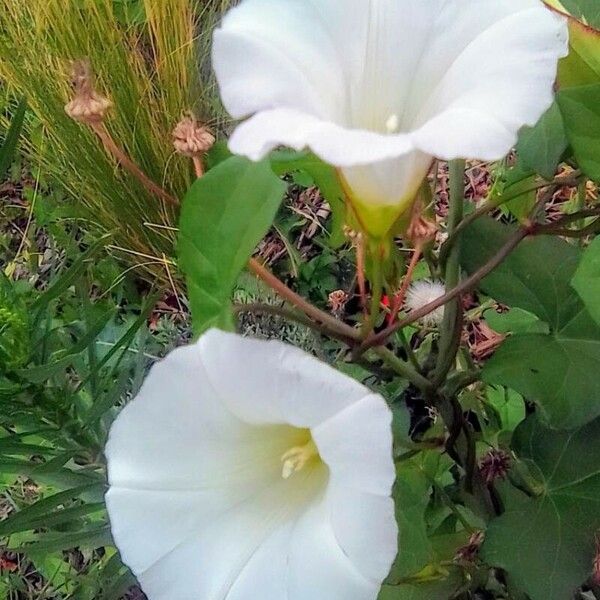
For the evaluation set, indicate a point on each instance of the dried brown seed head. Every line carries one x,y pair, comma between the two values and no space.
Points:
338,301
192,138
87,105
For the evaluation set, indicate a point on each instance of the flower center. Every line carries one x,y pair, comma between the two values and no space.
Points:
295,459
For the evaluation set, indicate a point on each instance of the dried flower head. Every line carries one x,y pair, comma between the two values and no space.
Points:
87,105
338,301
420,230
192,138
495,465
422,293
467,555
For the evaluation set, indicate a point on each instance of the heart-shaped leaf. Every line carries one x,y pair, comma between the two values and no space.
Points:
557,370
547,543
587,279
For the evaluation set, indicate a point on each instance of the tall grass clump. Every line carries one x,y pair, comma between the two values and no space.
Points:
152,67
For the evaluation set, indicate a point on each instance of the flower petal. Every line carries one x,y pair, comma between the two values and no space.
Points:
475,113
319,568
341,72
335,144
269,53
356,444
365,527
209,562
177,440
196,428
275,383
389,182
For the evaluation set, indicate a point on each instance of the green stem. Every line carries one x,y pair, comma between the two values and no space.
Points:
552,229
412,357
581,200
376,295
402,368
449,504
342,331
451,327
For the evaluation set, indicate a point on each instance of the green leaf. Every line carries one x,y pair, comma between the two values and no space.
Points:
70,276
587,279
64,358
120,586
224,216
580,107
556,370
541,147
41,373
509,406
418,573
582,65
58,477
547,543
60,517
129,12
125,341
114,578
515,320
23,520
586,10
325,178
514,190
442,588
9,146
103,404
14,327
411,496
57,542
535,277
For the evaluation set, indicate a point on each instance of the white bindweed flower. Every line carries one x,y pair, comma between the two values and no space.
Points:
421,293
378,88
249,470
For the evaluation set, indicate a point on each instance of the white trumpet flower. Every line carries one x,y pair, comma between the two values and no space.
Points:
248,470
378,88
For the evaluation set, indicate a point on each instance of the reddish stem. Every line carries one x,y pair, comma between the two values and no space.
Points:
399,297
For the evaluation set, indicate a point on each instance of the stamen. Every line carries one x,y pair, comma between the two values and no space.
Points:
392,124
295,459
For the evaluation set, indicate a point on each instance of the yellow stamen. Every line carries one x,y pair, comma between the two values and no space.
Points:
295,459
392,124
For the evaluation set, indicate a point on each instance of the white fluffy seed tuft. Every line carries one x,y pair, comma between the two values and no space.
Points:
422,293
